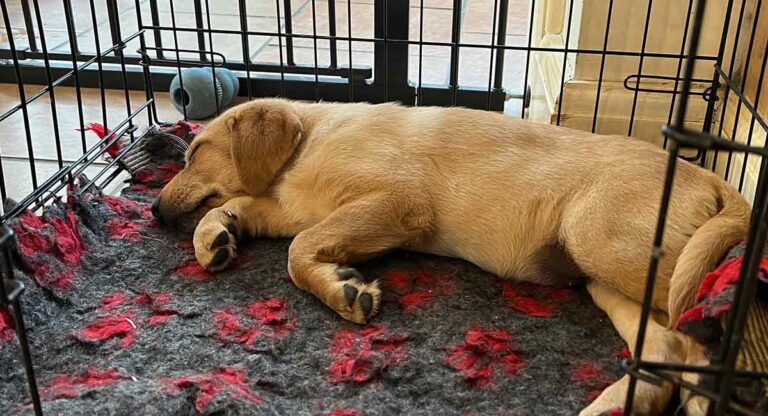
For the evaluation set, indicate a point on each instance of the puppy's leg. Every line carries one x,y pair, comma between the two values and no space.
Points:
319,256
661,344
694,404
217,233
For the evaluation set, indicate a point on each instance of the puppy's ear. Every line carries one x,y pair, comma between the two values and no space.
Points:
264,136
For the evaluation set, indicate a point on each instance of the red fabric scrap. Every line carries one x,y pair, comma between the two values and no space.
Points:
590,375
6,325
525,304
398,279
160,314
31,220
418,289
183,128
230,328
725,276
153,301
158,175
127,208
66,240
50,248
112,301
63,280
268,312
191,269
268,317
101,131
362,356
207,386
120,229
101,330
68,387
481,351
29,236
345,412
713,298
272,314
624,353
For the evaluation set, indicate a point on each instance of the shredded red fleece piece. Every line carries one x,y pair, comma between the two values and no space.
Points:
6,325
102,132
590,375
481,350
120,229
112,301
62,280
68,387
624,353
345,412
158,176
715,295
526,304
418,289
155,302
229,328
724,277
66,241
272,315
268,318
120,325
207,386
127,208
191,269
363,355
50,248
28,236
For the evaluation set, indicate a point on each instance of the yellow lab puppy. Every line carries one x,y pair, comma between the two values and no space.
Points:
522,200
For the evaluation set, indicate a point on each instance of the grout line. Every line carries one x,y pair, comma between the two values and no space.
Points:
255,54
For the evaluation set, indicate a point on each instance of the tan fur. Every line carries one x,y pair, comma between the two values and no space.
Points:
350,181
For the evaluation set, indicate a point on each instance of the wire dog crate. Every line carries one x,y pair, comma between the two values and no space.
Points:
135,48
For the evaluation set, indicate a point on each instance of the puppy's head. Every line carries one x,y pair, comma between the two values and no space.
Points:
239,153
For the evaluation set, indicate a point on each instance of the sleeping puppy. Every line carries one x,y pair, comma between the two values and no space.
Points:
522,200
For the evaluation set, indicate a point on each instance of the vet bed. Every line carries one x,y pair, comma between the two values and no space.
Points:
123,320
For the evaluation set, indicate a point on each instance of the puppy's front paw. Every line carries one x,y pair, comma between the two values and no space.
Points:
215,239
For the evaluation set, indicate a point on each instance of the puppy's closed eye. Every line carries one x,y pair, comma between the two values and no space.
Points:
211,199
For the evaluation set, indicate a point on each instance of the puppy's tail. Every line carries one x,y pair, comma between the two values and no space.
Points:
706,247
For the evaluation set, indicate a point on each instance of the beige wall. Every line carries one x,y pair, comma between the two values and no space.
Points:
627,23
736,124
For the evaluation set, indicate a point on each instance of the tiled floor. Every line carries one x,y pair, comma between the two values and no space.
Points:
13,139
474,63
477,28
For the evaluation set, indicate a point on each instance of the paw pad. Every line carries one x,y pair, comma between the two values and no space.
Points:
221,240
350,294
220,259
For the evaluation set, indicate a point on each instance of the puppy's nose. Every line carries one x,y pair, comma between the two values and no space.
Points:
156,209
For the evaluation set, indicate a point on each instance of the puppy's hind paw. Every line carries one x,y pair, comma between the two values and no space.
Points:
360,300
